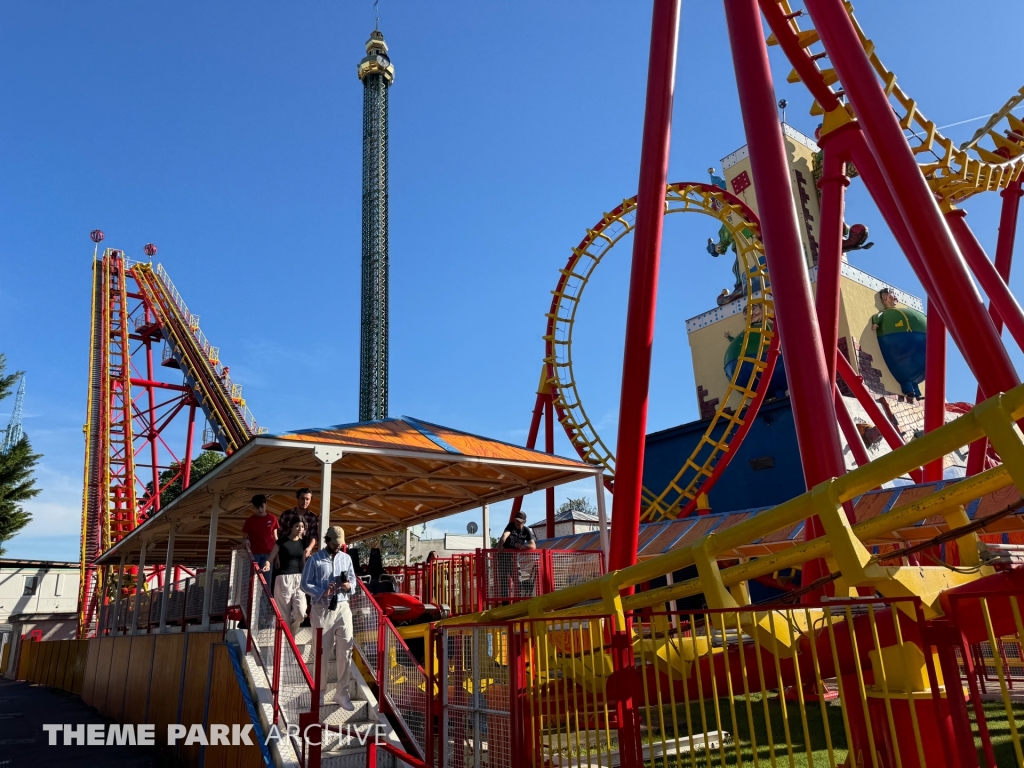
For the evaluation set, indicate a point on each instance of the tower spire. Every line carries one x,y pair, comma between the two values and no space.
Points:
377,73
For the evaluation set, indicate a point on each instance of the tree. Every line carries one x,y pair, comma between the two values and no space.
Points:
17,483
202,465
581,504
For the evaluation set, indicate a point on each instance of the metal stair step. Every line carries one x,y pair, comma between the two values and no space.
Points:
334,715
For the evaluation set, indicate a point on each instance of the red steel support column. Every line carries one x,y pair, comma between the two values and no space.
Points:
935,386
549,448
813,406
999,296
643,284
874,412
970,325
878,188
190,435
833,186
850,432
151,433
1004,258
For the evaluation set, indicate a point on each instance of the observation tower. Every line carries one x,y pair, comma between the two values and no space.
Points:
377,74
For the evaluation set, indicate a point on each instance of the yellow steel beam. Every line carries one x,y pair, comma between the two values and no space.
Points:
995,416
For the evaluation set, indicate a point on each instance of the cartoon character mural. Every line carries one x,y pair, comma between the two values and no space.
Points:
901,337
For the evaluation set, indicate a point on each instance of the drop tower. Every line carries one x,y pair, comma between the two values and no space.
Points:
377,74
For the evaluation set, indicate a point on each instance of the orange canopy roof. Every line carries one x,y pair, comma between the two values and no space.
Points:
385,475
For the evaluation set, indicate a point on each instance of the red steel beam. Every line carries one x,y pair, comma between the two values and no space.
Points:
190,436
549,448
833,186
643,284
970,326
159,385
871,408
1004,259
798,56
813,406
151,434
999,296
935,386
850,432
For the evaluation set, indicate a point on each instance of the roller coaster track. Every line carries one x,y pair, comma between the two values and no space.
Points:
117,429
737,408
219,398
953,173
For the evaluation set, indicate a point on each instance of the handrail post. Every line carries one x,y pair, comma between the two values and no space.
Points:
314,709
277,669
252,601
428,659
381,645
622,685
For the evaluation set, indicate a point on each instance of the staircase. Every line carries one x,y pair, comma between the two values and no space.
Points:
358,727
281,669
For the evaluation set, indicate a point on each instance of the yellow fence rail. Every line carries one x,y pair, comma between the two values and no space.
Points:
843,546
864,683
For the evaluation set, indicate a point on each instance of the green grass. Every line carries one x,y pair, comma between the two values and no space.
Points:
999,731
738,749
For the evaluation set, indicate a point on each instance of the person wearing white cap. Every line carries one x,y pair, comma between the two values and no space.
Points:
330,580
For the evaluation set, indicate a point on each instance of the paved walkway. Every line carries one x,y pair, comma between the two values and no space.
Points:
24,708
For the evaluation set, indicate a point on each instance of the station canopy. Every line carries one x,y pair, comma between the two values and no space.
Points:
384,475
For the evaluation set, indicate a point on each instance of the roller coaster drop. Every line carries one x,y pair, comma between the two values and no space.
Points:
134,307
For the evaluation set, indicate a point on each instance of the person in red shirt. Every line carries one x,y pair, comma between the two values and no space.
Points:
260,530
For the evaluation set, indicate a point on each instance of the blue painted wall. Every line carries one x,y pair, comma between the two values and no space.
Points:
741,487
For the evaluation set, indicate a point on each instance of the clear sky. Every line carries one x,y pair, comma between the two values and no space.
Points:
229,135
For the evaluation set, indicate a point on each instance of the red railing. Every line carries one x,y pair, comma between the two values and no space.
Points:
296,692
473,582
403,687
979,641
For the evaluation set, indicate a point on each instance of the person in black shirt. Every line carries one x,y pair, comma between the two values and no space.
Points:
516,536
289,555
301,511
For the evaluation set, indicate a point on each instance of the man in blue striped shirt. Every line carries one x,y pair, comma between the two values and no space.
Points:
329,579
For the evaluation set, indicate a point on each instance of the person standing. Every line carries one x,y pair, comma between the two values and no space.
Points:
330,580
260,530
301,511
516,536
288,557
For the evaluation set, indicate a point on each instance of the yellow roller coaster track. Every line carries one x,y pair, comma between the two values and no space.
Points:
953,173
733,407
199,359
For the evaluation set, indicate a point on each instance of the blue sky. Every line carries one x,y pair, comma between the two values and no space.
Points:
229,135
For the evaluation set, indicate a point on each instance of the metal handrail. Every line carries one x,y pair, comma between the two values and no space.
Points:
287,632
386,621
278,618
386,629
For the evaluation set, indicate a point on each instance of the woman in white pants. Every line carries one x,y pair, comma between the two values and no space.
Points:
289,556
